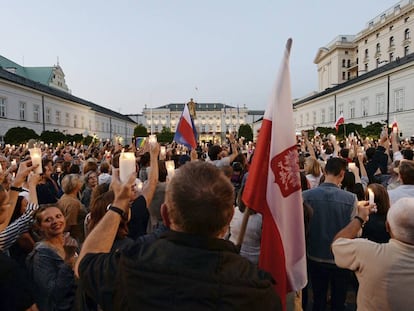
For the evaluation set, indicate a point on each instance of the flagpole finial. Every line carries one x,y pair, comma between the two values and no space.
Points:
289,44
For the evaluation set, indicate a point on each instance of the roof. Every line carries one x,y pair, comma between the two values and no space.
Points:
39,74
256,112
376,72
36,85
199,107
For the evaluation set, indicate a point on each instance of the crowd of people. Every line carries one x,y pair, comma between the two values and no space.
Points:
76,237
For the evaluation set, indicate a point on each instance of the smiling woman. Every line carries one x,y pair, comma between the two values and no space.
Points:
51,263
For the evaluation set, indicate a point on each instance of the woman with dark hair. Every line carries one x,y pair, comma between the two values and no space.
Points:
375,229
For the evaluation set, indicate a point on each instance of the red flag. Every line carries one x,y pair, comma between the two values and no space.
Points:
339,121
273,189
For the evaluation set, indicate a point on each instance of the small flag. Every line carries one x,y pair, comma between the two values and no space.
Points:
186,133
339,121
273,189
140,142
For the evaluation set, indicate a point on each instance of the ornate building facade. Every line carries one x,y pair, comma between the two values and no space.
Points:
367,77
38,98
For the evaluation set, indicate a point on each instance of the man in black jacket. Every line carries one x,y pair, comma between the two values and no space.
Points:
188,268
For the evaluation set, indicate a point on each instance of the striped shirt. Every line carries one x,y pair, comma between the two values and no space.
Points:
13,231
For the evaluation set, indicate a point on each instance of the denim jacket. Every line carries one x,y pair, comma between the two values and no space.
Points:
54,280
333,208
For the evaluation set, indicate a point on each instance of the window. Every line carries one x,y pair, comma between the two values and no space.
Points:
48,115
341,108
391,57
75,121
331,114
406,19
82,122
90,125
366,41
366,67
36,113
364,106
349,63
349,75
67,119
343,75
22,110
301,120
314,117
391,27
57,117
323,115
366,53
407,34
378,48
406,50
307,118
399,99
343,63
380,103
392,41
378,62
378,34
2,107
103,127
352,109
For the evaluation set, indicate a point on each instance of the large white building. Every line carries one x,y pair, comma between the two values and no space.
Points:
38,98
213,120
367,77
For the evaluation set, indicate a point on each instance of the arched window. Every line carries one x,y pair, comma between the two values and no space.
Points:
378,48
391,41
407,34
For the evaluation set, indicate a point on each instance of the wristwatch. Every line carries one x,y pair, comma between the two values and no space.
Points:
117,210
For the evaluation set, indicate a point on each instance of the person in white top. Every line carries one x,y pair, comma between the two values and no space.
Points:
385,271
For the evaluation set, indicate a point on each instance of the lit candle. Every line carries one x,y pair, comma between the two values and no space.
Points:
13,162
126,165
163,152
36,156
351,166
139,184
152,139
371,196
170,166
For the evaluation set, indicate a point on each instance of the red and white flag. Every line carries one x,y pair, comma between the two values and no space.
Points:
273,189
339,121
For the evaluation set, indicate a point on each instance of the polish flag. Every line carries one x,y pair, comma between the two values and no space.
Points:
186,133
273,189
339,121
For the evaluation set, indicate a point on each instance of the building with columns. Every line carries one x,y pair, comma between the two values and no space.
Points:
367,77
213,120
38,98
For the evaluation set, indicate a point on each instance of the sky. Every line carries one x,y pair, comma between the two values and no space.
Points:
124,55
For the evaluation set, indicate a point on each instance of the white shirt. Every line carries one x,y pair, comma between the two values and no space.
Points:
385,272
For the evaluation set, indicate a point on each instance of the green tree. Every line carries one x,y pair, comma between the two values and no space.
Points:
166,136
52,137
246,131
19,135
140,131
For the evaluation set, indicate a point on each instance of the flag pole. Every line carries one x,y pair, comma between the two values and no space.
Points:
243,226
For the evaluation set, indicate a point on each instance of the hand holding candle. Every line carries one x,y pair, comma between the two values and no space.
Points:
371,200
170,166
126,165
36,156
